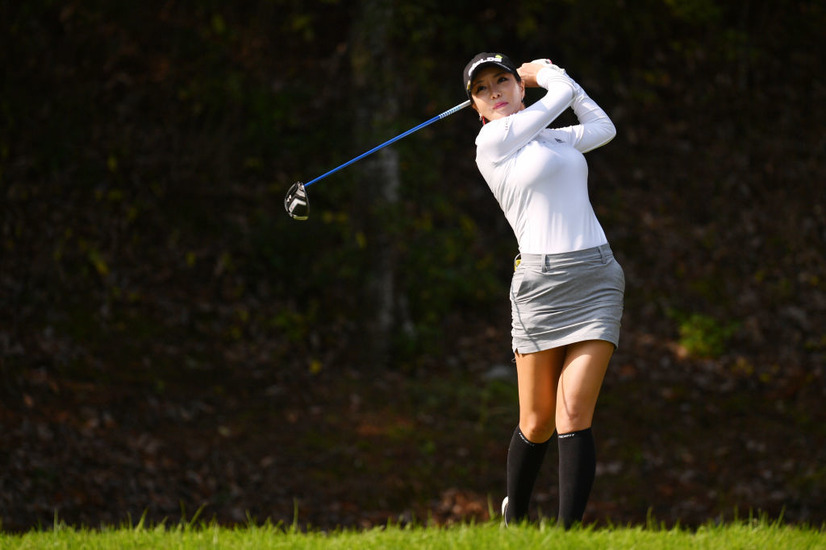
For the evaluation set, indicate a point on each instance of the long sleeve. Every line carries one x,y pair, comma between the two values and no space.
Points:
500,138
595,127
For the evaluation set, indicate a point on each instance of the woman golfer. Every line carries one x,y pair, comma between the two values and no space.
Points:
567,288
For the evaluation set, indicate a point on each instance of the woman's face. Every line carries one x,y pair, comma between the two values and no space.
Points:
496,93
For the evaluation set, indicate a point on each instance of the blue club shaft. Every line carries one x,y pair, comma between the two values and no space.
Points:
391,141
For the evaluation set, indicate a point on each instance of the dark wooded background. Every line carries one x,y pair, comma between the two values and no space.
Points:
170,340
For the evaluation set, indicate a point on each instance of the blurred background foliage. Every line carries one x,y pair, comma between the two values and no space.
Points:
145,149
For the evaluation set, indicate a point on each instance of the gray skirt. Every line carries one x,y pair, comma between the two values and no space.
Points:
559,299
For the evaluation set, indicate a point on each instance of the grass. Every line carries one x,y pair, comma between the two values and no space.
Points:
756,534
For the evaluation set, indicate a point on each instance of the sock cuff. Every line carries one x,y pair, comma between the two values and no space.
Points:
578,433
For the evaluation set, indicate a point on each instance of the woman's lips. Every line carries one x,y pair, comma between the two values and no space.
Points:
500,105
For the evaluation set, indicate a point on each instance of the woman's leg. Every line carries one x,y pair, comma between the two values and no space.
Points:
580,381
582,374
537,376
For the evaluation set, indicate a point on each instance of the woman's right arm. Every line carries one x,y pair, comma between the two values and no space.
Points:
501,138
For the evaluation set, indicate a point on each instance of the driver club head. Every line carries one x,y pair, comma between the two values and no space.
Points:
297,202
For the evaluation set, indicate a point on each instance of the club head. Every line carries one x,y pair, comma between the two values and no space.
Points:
297,202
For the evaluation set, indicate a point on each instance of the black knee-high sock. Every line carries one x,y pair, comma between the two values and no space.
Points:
524,461
577,468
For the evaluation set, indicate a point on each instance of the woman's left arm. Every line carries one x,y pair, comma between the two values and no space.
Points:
595,127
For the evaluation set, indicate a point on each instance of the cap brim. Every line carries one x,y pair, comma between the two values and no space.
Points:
481,66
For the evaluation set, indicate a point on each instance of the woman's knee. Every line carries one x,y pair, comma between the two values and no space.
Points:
537,429
574,419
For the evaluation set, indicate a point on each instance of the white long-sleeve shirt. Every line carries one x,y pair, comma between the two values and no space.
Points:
539,175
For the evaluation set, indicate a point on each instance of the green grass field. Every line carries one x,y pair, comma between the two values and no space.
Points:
745,535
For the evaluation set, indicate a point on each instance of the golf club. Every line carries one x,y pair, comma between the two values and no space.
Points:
297,202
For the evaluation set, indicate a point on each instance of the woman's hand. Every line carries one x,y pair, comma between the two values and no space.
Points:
528,72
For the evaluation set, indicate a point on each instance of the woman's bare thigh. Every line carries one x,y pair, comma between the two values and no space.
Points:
580,382
538,375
